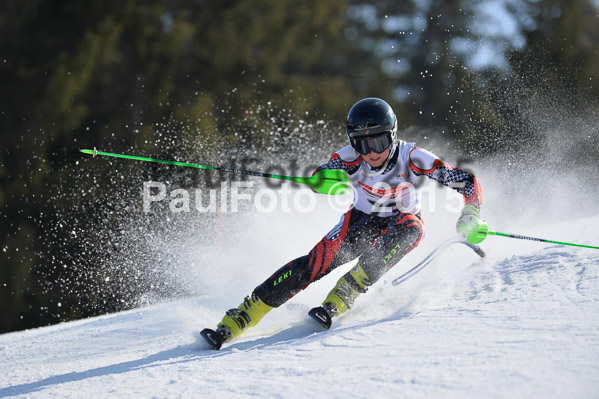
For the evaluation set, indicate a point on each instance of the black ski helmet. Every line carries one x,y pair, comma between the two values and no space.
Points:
373,119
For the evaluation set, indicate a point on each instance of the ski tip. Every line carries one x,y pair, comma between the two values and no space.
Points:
321,316
213,338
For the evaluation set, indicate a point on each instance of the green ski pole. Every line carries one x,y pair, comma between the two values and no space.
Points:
327,181
520,237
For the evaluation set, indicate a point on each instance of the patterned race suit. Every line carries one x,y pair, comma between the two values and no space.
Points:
381,227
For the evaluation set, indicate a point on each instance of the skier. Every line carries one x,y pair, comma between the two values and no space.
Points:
382,225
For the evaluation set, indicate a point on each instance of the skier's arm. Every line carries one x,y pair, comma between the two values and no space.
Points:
345,159
423,162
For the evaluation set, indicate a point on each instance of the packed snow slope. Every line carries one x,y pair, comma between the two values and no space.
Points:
523,322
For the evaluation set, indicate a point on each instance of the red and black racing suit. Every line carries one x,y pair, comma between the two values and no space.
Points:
379,240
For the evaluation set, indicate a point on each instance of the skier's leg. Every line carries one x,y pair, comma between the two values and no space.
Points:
339,246
401,236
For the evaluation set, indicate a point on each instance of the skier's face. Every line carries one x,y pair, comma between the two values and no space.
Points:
376,160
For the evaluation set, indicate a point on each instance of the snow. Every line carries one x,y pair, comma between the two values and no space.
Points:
523,322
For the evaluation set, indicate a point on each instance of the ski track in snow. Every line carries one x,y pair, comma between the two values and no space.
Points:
524,322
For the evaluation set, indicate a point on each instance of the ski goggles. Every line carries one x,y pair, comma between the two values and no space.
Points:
377,143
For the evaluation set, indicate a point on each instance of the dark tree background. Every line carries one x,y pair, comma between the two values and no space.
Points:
161,78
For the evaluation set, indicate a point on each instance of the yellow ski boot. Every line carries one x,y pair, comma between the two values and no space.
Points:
342,296
236,320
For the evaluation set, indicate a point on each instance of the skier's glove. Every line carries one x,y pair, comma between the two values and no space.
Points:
470,226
